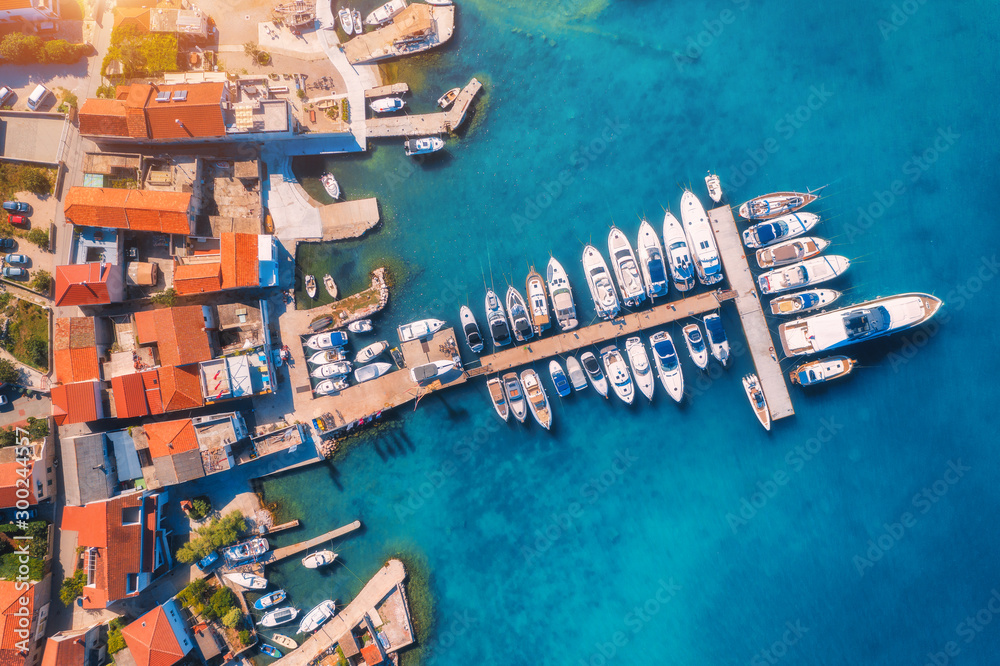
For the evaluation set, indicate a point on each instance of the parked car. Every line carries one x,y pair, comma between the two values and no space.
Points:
17,219
3,400
11,272
5,95
208,561
16,259
7,243
16,206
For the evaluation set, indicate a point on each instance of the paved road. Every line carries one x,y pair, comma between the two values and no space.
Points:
19,407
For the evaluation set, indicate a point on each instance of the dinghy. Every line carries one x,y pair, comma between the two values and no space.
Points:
311,286
268,600
448,98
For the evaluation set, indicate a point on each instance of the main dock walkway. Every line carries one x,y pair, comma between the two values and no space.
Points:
426,123
288,551
765,360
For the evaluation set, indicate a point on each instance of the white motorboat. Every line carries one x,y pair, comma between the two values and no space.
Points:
330,386
439,3
559,380
447,99
714,186
359,27
639,360
269,600
324,357
371,371
284,641
768,233
803,301
775,205
717,340
386,12
245,552
248,581
563,305
338,369
346,20
599,280
496,318
594,372
417,330
650,252
515,396
803,274
678,255
518,313
537,400
279,616
668,365
701,240
428,372
757,400
856,323
371,352
319,559
626,268
387,105
328,340
360,326
538,301
618,374
790,251
822,370
331,185
423,145
310,281
695,342
331,286
470,327
315,618
576,375
497,397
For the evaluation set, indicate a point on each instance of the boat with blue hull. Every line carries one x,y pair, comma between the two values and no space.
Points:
678,254
654,271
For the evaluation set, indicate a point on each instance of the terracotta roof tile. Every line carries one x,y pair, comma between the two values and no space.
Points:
74,350
10,474
65,650
103,117
167,438
197,278
75,403
178,332
10,606
151,380
239,260
152,641
139,210
134,16
136,113
83,284
180,388
130,396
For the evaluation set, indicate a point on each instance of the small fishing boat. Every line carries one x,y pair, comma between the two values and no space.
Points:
329,386
423,145
439,3
803,301
331,286
537,400
599,280
822,370
790,251
324,357
714,186
515,396
331,185
559,379
700,239
360,326
518,313
678,255
639,360
315,618
668,365
270,650
386,12
717,340
279,616
328,340
496,318
594,372
428,372
268,600
337,369
245,552
284,641
576,375
359,27
775,205
696,345
626,268
538,301
387,105
768,233
320,323
346,20
311,286
248,581
371,371
397,357
803,274
561,294
320,558
618,374
471,329
417,330
757,400
371,352
650,252
495,387
448,98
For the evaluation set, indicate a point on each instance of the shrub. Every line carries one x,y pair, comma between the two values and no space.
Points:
199,509
42,280
300,93
39,237
220,532
233,618
116,643
59,51
21,49
37,428
167,297
72,588
9,374
106,92
35,180
141,54
245,637
223,601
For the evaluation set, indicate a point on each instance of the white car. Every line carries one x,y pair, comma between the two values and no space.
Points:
5,95
16,259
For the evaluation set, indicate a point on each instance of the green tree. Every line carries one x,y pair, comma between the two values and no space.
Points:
219,533
166,297
21,49
222,601
116,643
245,637
9,374
33,179
233,618
37,428
59,51
200,509
42,280
72,588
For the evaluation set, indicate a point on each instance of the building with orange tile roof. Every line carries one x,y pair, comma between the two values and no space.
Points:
160,637
139,210
24,608
197,278
180,388
172,448
17,11
34,469
372,655
74,350
77,403
243,261
180,333
88,284
128,393
74,647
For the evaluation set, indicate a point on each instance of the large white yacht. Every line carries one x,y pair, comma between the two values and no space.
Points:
650,251
618,375
781,229
803,274
639,360
563,305
626,268
599,280
678,254
701,240
668,365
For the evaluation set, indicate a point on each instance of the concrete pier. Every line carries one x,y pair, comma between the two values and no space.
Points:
288,551
427,123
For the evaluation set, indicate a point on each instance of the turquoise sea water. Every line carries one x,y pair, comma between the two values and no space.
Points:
859,531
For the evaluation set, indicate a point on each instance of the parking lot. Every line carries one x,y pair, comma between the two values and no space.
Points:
42,213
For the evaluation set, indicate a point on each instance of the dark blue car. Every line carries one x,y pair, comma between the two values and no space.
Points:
16,206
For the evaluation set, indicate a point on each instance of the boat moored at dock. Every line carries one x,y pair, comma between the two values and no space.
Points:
248,551
471,329
714,186
599,280
338,369
576,375
387,105
319,559
327,341
639,360
497,397
330,386
803,301
360,326
538,301
317,617
717,340
537,400
386,12
428,372
518,313
701,240
650,251
775,204
790,251
310,282
268,600
822,370
695,342
559,379
757,400
346,21
246,580
678,254
626,268
279,616
496,319
618,374
561,294
668,365
332,187
359,27
448,98
764,234
284,641
856,323
515,396
594,372
423,145
331,286
418,330
803,274
270,651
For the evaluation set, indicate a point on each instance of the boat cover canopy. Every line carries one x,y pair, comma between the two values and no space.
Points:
715,330
656,272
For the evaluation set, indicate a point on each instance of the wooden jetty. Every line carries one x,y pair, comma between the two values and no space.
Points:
391,89
348,219
283,526
288,551
426,123
748,306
